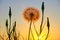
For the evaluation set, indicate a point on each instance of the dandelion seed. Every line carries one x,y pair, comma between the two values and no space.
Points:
31,14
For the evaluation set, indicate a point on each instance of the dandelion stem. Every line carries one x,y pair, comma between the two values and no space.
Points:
29,30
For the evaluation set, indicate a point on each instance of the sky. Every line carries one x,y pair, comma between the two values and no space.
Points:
52,10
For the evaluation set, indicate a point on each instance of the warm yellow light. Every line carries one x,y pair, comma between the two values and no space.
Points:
42,36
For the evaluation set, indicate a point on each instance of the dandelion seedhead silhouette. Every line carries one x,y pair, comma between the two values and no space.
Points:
32,14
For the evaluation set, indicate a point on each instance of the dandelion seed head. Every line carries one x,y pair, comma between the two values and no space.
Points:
31,14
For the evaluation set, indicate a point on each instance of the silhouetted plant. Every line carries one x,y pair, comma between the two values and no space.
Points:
14,27
31,14
42,17
11,31
14,31
42,26
48,26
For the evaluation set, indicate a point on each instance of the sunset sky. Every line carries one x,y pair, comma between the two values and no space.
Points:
52,10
